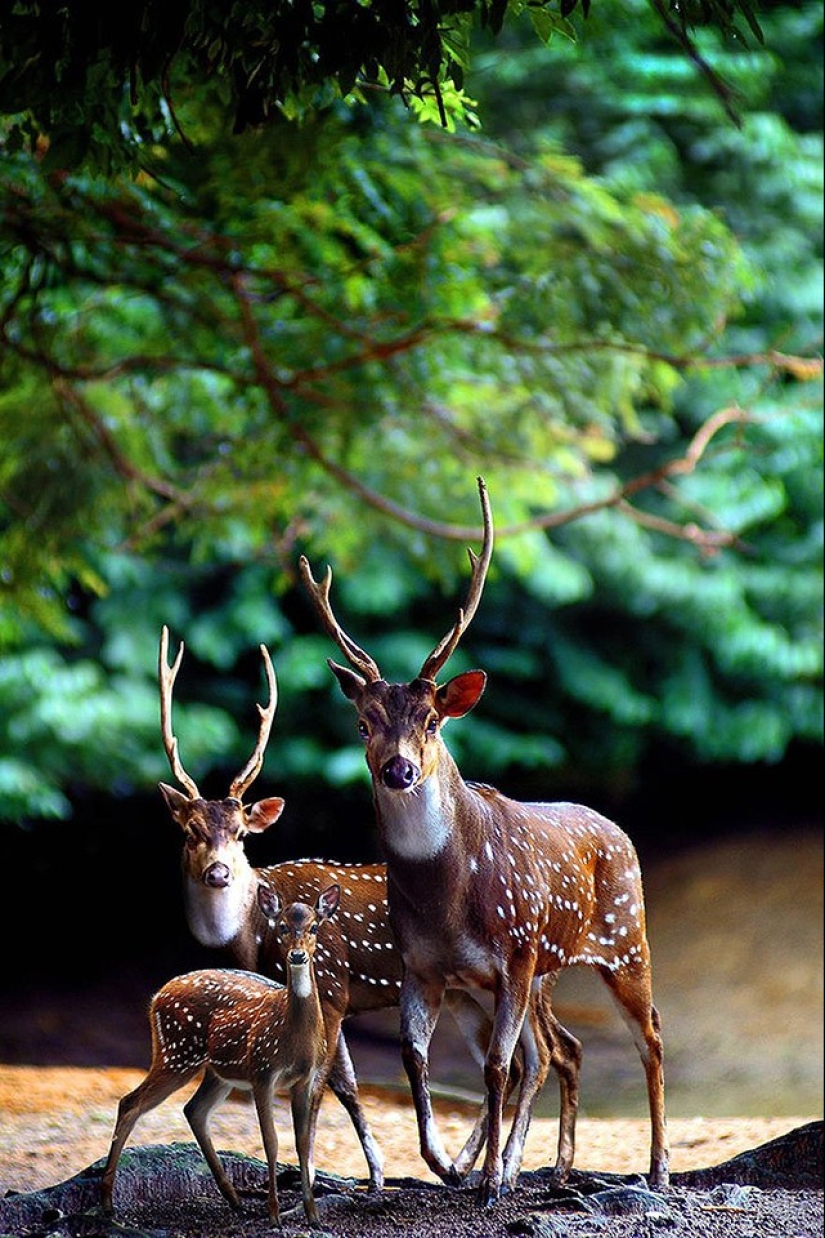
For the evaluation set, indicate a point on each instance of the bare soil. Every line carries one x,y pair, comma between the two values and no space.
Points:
56,1122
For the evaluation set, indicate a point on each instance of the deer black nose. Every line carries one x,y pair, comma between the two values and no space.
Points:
217,875
399,774
298,958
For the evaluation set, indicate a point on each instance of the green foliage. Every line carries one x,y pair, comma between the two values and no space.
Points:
732,655
316,338
70,722
107,88
190,359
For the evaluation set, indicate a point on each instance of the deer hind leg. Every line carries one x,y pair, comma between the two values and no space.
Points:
198,1109
631,989
420,1006
475,1026
566,1059
545,1043
155,1088
512,1002
344,1084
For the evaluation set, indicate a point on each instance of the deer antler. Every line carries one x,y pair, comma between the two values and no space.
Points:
319,592
480,563
167,675
253,766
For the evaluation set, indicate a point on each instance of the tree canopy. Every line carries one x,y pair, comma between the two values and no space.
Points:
313,336
103,84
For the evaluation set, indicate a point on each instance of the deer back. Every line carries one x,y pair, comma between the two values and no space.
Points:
357,962
215,1015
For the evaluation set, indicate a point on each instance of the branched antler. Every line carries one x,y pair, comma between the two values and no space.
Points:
253,766
358,658
480,563
167,675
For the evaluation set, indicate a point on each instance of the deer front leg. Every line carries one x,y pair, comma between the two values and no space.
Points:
304,1113
420,1006
262,1092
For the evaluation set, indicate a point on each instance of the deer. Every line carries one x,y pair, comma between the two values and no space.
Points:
486,892
358,964
243,1031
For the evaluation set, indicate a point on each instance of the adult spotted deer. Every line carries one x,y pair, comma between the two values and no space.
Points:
245,1032
357,963
488,893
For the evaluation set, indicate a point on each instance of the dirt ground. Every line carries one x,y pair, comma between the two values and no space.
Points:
54,1122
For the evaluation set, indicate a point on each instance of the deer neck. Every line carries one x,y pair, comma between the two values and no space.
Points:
426,823
304,1010
218,917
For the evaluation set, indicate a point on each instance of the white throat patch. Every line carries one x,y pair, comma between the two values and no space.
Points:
214,917
413,823
301,981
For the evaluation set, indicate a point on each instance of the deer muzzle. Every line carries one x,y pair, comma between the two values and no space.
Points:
217,876
399,774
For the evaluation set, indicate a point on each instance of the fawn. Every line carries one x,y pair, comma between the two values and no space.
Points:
249,1033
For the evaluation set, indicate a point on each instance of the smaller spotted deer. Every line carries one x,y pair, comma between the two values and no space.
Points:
249,1033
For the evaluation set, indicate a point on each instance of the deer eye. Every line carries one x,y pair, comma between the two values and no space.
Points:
314,930
432,726
363,729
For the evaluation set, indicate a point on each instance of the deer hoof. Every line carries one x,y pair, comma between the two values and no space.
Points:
450,1176
659,1178
489,1192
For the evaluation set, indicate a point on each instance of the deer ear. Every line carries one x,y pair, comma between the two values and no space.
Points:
327,904
264,813
269,902
176,802
458,695
351,684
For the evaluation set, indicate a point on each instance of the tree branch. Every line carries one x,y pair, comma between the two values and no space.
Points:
122,466
707,539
